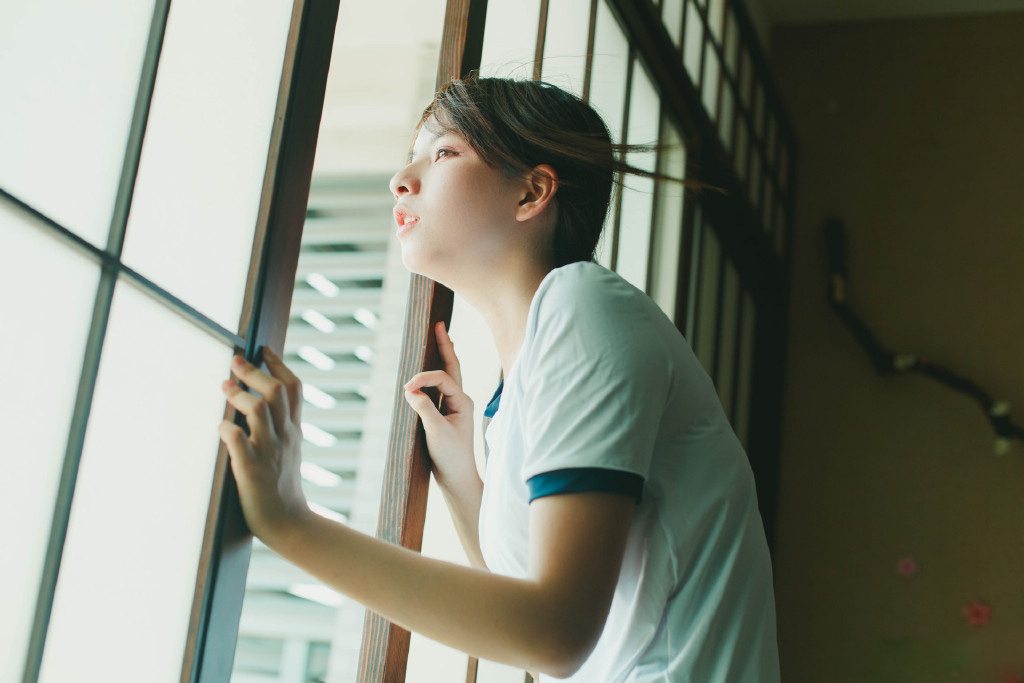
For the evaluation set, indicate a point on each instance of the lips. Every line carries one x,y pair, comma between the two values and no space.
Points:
404,219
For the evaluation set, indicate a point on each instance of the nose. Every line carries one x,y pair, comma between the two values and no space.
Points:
404,182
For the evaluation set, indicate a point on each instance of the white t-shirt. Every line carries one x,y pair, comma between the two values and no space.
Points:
604,380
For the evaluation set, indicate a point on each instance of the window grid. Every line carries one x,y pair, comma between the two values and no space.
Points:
260,320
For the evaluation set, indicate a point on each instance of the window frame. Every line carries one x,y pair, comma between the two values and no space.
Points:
220,579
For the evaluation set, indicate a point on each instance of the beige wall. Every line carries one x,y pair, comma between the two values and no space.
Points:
912,132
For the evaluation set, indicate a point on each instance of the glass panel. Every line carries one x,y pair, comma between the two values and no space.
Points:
783,166
716,18
709,85
638,193
46,308
707,299
746,79
780,229
744,385
693,43
742,148
768,204
510,38
205,154
693,286
141,500
725,117
732,41
565,44
607,96
668,229
727,344
754,185
672,17
69,74
758,110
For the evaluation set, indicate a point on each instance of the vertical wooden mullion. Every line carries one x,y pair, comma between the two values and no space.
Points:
385,647
220,586
630,60
589,66
542,30
655,196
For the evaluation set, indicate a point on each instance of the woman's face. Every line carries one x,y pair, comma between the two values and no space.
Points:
455,215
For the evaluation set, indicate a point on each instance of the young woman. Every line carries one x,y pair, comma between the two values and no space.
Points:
615,535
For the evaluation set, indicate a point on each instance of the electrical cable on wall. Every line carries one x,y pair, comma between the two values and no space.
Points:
887,362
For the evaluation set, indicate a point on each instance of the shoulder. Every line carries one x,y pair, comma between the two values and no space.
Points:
587,291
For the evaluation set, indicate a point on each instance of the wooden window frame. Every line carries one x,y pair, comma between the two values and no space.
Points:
220,583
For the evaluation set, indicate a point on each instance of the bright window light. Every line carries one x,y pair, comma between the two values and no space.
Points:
317,593
318,397
316,357
317,436
318,320
318,475
364,353
366,317
322,284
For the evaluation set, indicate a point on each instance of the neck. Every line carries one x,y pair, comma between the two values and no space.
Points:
503,299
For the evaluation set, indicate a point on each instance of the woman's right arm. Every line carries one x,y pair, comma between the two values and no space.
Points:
450,443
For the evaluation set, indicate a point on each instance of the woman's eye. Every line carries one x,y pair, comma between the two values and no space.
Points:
444,152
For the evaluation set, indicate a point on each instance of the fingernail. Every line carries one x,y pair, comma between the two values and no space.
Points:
238,361
267,351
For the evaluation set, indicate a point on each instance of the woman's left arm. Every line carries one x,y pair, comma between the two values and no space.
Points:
549,621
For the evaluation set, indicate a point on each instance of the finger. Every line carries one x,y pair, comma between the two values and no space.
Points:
292,384
425,408
454,397
447,350
270,388
235,439
255,408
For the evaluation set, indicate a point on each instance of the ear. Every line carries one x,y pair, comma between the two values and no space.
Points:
539,188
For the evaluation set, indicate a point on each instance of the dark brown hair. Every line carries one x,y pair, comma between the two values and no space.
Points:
516,125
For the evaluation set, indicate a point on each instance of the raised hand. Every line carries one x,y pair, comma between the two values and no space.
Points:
449,430
266,462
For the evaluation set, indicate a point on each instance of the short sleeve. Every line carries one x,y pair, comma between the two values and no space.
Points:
596,378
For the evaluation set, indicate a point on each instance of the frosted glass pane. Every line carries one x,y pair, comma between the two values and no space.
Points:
707,299
727,346
565,44
607,95
46,308
205,153
754,183
742,149
672,17
709,85
638,193
693,42
725,117
608,70
741,421
732,41
128,572
716,17
69,74
668,229
510,38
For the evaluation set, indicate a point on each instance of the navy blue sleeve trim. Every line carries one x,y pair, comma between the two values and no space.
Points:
580,479
492,405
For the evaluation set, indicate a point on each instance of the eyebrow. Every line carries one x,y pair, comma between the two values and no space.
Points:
435,136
